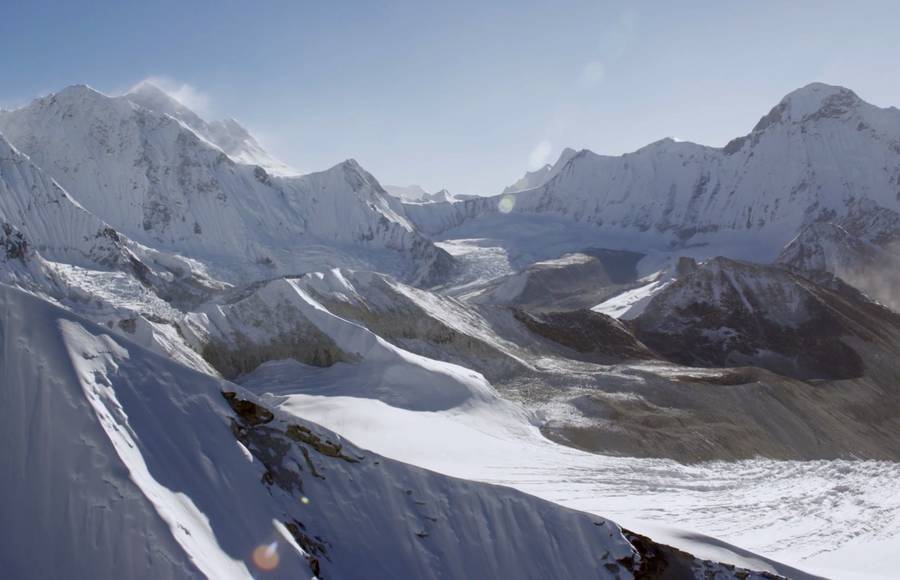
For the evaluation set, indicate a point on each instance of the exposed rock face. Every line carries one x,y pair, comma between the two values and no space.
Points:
573,281
731,313
592,335
237,337
862,248
13,243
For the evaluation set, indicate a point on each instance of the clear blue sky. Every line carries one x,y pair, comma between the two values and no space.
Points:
464,95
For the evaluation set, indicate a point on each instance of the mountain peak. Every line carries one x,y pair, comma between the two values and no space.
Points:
811,102
148,88
150,96
78,92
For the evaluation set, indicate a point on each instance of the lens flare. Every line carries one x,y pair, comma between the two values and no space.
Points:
507,203
266,557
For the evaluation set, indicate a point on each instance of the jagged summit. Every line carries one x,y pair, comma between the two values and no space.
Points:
228,135
810,103
150,96
161,175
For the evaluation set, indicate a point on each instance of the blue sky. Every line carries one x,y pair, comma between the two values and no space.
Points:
464,95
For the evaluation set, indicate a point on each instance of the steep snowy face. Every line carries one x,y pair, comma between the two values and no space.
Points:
46,219
539,177
731,313
38,217
154,178
818,150
175,480
283,320
226,134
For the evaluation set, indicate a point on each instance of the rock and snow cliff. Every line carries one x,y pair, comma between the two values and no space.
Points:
732,313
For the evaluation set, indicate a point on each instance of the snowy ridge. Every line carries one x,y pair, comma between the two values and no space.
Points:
155,179
819,149
227,134
170,493
426,323
539,177
283,320
49,220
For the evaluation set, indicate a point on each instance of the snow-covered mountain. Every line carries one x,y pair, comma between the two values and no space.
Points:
49,221
862,248
46,231
540,176
120,463
417,194
407,192
820,149
156,179
731,313
226,134
331,318
483,338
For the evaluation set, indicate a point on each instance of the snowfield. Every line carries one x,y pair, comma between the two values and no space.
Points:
819,516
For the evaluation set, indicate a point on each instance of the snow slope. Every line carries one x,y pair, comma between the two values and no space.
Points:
123,464
226,134
490,444
540,176
160,182
283,318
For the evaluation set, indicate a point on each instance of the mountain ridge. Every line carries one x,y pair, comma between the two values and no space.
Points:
154,178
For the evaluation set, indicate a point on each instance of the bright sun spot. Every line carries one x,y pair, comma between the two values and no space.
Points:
507,203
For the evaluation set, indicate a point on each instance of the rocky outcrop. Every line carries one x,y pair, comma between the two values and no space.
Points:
732,313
